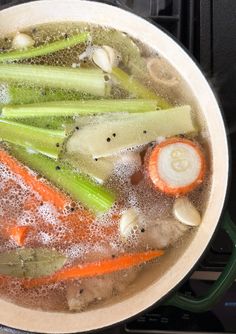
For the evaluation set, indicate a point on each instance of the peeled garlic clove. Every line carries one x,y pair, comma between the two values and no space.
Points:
101,59
185,212
113,55
22,41
128,221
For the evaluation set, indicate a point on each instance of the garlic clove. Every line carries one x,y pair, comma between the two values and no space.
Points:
185,212
128,222
101,59
113,55
22,41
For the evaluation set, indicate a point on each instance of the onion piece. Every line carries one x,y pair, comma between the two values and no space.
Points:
22,41
161,72
185,212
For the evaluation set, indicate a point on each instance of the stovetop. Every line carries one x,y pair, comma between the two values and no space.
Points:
207,29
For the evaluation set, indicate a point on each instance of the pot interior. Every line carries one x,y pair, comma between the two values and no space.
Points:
157,279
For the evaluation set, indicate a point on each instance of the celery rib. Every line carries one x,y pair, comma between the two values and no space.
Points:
44,49
48,142
80,188
27,95
73,108
137,89
89,81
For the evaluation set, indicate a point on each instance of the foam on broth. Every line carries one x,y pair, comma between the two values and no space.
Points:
98,238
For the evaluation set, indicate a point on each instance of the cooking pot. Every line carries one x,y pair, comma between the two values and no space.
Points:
157,281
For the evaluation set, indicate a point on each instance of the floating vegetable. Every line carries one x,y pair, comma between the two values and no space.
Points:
98,169
105,57
22,41
18,234
20,94
28,262
137,89
176,166
73,108
185,212
96,268
128,222
78,186
111,137
48,142
89,81
47,192
40,50
161,72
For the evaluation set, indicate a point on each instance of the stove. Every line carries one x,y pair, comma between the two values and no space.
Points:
207,29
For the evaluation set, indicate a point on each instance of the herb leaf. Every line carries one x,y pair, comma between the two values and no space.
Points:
30,263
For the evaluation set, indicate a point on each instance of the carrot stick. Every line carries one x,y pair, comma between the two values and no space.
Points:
95,268
19,233
47,192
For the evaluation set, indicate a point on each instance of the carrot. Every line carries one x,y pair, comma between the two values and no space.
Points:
19,233
176,166
47,192
95,268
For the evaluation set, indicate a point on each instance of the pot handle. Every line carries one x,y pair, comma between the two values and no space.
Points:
225,280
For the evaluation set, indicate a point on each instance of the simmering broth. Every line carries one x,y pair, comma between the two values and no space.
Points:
118,206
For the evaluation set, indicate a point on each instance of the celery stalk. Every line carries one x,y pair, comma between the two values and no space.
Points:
73,108
48,142
24,95
84,80
137,89
12,94
44,49
53,123
80,188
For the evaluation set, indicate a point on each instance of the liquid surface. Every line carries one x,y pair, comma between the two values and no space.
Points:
74,231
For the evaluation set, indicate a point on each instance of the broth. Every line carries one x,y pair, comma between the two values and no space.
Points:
74,231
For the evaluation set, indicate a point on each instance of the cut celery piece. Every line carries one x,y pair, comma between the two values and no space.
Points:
44,49
48,142
137,89
89,81
53,123
111,137
79,187
73,108
24,95
98,169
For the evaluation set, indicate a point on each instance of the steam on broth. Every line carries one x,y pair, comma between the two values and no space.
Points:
103,164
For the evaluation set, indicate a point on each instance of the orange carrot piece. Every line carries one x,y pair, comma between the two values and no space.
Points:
19,233
47,192
95,268
173,156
